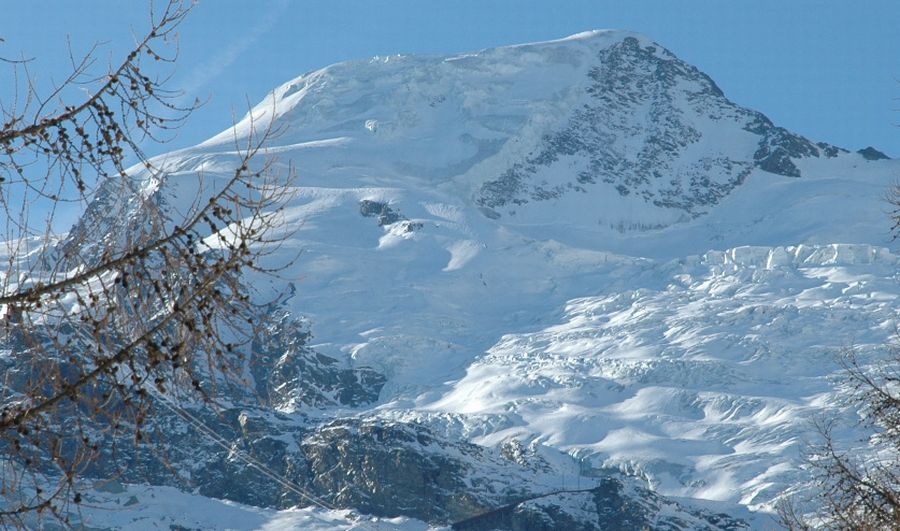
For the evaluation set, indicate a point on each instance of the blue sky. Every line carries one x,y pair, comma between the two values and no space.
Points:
826,69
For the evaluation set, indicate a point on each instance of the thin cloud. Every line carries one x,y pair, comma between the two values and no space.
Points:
202,75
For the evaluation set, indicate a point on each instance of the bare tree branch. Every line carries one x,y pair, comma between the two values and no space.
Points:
137,301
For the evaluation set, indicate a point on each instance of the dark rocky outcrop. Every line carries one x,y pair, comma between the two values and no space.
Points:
381,211
870,153
609,505
287,373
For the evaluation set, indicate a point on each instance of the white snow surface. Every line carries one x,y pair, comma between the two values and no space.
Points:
694,354
142,507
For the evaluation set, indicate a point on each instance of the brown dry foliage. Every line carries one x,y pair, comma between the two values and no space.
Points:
856,488
95,330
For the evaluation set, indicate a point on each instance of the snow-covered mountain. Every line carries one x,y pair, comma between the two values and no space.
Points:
565,263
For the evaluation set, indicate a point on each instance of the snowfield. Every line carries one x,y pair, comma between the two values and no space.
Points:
140,507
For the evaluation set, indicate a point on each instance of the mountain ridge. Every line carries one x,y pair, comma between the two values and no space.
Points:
489,260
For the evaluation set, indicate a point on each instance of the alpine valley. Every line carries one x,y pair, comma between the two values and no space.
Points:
560,285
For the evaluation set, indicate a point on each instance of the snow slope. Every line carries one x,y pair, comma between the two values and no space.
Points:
700,374
139,508
581,243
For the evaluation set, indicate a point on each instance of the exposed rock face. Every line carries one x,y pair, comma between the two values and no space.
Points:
289,374
394,469
643,111
398,469
382,211
871,153
610,505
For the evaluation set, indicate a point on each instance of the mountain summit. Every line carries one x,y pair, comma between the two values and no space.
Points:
604,120
524,267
